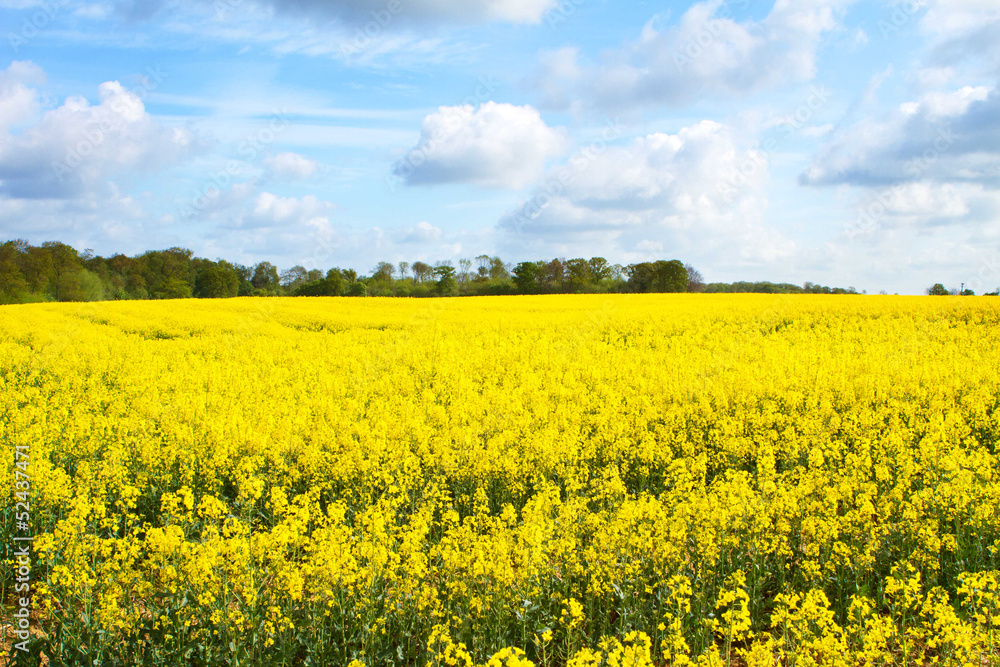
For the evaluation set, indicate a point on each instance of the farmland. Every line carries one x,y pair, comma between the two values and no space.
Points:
582,480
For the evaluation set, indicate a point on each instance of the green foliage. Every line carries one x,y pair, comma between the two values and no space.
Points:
217,281
265,277
937,290
446,280
526,276
91,287
57,272
659,276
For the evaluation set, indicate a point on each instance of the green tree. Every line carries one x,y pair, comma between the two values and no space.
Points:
265,277
938,290
658,276
65,266
553,275
293,277
498,270
383,273
526,276
446,279
13,286
578,274
217,281
422,272
599,269
173,288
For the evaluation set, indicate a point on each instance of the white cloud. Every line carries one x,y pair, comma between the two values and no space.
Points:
949,18
18,102
963,31
291,166
77,148
422,232
498,145
681,194
270,210
707,53
943,137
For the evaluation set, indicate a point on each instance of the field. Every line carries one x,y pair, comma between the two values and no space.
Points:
618,480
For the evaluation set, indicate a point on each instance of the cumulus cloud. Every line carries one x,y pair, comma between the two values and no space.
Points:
707,52
498,145
76,148
270,210
943,137
291,166
18,101
960,31
663,192
422,232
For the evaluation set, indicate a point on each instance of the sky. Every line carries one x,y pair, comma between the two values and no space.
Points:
847,143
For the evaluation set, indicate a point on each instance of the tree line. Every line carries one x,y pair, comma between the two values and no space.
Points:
55,271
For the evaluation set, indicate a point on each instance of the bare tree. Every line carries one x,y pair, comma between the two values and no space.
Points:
695,283
464,270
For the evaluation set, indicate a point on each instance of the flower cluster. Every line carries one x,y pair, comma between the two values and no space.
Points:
610,481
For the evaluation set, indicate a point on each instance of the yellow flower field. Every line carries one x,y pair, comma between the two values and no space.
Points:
561,480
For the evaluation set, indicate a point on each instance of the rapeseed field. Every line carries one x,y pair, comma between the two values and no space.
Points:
589,481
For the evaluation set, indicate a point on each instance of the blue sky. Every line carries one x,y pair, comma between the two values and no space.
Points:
847,143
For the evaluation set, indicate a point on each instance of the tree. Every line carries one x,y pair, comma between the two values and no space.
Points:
168,274
695,283
497,269
422,272
483,267
599,269
383,272
13,286
38,269
404,268
245,276
464,270
265,277
552,275
446,279
91,286
293,277
65,265
578,274
173,288
938,290
658,276
526,276
217,281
